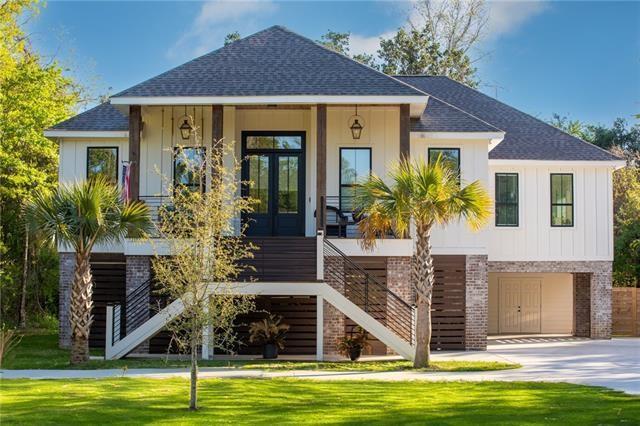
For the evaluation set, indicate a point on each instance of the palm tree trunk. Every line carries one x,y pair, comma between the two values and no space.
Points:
193,400
80,310
423,279
25,276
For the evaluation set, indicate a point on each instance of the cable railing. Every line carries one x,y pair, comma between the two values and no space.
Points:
369,294
139,306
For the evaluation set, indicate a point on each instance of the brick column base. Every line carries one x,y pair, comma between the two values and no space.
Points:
476,303
399,282
67,270
581,304
601,282
138,271
334,320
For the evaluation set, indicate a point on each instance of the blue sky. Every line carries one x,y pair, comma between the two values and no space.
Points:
576,58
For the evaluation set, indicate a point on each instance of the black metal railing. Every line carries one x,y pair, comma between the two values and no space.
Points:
342,217
369,294
156,205
139,306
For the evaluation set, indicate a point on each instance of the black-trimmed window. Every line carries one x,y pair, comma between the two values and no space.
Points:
188,163
506,199
561,199
355,165
449,157
103,161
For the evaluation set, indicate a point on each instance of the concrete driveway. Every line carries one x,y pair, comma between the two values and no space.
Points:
611,363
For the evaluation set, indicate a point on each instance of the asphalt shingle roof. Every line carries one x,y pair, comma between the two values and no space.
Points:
104,117
440,116
527,138
272,62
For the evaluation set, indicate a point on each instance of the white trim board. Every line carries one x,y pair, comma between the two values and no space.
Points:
459,135
617,164
418,103
86,133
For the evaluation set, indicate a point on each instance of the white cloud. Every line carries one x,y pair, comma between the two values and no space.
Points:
508,16
363,44
215,20
504,17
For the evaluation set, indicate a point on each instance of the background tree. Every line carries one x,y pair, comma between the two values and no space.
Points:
231,37
34,95
80,216
422,195
206,253
340,42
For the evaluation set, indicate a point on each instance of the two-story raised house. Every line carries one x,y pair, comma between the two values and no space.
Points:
289,106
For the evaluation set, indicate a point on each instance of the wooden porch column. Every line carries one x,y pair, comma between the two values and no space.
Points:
405,131
135,126
321,166
217,120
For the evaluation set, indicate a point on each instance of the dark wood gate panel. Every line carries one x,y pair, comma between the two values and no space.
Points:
298,312
109,278
448,317
375,266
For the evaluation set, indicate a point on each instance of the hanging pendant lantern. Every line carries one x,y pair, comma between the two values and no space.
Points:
185,128
357,124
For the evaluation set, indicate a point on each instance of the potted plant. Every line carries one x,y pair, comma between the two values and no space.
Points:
352,345
270,332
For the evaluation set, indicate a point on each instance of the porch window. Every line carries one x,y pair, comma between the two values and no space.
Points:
187,168
562,199
506,199
103,161
355,165
449,157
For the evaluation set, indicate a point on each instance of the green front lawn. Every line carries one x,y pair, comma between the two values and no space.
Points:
290,401
40,351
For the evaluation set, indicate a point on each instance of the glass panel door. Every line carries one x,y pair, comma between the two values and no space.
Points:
288,184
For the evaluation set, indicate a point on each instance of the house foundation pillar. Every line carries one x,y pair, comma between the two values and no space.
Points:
582,304
138,272
476,303
67,270
333,320
600,292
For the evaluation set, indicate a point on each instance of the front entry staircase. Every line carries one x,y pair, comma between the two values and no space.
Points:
341,283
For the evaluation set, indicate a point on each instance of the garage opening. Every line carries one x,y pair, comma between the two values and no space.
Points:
522,303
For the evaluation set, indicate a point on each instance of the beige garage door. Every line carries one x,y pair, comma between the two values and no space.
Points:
530,303
520,305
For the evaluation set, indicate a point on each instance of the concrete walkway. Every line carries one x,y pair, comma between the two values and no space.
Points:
611,363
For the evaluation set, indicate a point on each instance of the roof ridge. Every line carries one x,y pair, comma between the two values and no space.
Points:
516,109
212,52
531,116
342,55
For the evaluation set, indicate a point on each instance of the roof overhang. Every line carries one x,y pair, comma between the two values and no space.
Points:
615,164
86,133
493,136
418,103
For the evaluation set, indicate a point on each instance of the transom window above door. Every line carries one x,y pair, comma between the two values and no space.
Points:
274,142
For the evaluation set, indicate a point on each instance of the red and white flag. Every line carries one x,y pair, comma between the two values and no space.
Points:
126,175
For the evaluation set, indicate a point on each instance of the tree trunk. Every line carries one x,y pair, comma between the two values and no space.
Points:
25,276
193,400
423,280
80,309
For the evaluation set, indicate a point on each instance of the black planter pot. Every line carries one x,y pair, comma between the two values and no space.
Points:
354,353
270,351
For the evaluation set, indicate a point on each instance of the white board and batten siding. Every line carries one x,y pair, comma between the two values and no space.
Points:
73,157
591,237
457,237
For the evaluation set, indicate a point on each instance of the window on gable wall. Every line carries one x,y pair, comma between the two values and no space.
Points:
561,199
103,161
506,199
448,156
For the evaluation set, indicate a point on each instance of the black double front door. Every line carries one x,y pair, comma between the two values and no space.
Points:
273,164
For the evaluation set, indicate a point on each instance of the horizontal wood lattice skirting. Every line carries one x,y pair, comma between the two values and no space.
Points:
625,311
109,278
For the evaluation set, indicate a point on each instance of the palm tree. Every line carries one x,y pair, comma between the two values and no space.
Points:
80,216
424,195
